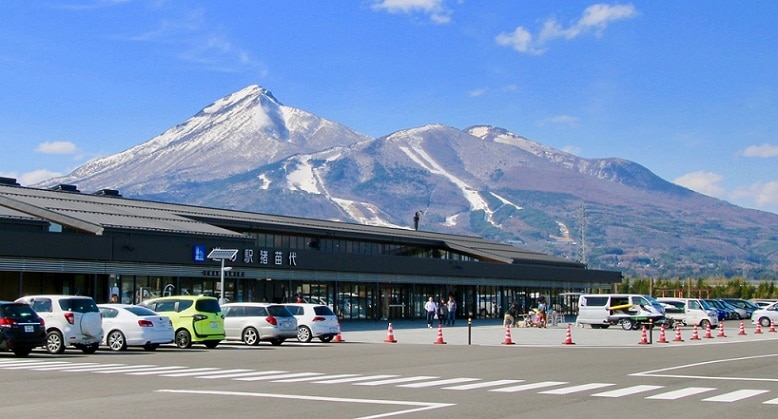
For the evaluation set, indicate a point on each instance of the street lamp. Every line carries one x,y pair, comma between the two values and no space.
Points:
221,255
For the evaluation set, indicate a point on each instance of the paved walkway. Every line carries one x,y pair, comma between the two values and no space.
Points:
491,332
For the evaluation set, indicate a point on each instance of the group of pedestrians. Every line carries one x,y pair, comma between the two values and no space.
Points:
444,311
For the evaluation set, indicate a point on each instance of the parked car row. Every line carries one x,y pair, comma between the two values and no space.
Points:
766,316
57,322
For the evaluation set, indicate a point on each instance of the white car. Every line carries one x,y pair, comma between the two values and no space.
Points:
766,315
71,320
255,322
314,321
128,325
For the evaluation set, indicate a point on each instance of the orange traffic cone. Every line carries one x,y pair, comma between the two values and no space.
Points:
568,337
338,337
742,328
662,335
440,340
508,340
695,336
707,331
678,337
721,331
772,327
643,337
390,335
758,330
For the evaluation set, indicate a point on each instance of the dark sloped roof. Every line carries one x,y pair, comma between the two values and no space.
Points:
95,213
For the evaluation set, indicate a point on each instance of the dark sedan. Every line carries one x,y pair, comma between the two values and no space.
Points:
21,330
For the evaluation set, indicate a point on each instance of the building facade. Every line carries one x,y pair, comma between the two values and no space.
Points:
64,241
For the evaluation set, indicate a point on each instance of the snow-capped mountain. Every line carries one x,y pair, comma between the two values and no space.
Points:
233,135
247,151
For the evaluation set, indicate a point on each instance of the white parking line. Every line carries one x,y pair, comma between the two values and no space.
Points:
483,385
279,376
660,372
136,369
735,396
627,391
416,406
354,379
530,386
677,394
31,364
439,382
156,371
105,367
315,377
193,371
239,373
396,380
67,366
576,389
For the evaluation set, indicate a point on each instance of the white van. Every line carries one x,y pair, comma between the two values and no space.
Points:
690,311
629,310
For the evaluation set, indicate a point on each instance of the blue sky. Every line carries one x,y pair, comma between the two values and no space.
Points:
687,89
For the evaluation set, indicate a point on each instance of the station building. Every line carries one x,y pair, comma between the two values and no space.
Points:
65,241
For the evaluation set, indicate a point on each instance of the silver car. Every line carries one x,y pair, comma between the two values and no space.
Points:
252,323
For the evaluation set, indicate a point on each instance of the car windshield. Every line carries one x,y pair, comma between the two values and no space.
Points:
19,312
79,305
705,305
140,311
279,311
208,305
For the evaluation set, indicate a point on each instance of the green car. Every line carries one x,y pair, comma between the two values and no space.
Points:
196,319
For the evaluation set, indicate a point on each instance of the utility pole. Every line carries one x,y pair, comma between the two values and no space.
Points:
582,232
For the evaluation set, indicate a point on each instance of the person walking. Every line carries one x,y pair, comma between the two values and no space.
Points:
432,309
442,312
452,310
542,310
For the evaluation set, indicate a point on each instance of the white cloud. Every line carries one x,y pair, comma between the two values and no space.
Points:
435,9
477,92
764,195
56,147
595,19
707,183
36,176
763,151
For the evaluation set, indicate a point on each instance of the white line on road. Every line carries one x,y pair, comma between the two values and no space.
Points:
576,389
735,396
483,385
677,394
418,406
396,380
439,382
530,386
239,373
280,376
315,377
627,391
354,379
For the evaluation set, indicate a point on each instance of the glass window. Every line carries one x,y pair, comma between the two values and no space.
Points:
207,305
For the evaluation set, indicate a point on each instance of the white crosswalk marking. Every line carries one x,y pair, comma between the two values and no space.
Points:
106,367
773,401
279,376
735,396
396,380
354,379
135,369
677,394
530,386
31,364
192,371
439,382
65,366
628,391
485,384
156,371
315,377
576,389
239,373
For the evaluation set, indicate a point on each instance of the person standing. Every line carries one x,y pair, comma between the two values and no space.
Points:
542,310
452,310
442,312
432,309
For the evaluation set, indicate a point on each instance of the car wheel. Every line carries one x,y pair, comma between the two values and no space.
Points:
250,336
627,324
704,324
90,349
276,341
22,352
150,347
54,343
326,339
116,341
764,322
304,334
183,339
210,344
